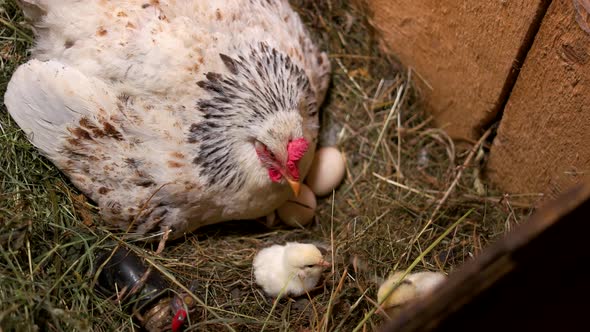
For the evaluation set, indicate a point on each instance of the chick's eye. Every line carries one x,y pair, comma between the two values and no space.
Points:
309,266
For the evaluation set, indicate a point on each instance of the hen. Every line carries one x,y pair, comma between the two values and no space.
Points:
172,115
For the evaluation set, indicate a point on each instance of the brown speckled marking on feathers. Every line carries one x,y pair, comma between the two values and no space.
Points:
103,190
174,164
111,131
177,154
189,185
72,141
194,68
101,32
90,131
86,124
115,207
79,178
80,133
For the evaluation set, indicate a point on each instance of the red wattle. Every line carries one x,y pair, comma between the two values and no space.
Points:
274,175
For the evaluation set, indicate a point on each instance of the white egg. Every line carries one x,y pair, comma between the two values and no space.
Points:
298,211
327,171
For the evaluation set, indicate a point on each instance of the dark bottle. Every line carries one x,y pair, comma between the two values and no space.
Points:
141,290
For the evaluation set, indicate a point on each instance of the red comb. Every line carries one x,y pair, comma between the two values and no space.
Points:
295,149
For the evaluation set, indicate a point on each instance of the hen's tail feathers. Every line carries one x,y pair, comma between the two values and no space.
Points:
45,97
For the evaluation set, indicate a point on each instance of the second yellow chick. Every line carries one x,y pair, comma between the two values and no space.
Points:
414,286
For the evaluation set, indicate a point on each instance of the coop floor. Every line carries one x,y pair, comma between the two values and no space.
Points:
404,187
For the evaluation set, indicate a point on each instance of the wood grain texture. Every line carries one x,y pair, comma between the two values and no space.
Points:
542,142
465,53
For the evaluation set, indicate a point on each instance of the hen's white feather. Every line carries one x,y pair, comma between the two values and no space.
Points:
45,97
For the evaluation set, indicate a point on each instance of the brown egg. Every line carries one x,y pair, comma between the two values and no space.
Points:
298,211
272,220
326,172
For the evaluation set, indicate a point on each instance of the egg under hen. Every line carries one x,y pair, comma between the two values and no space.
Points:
172,115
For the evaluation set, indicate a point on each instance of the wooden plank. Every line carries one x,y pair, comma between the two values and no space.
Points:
533,279
465,53
542,142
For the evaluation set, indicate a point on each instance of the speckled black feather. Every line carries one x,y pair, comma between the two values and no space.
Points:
260,84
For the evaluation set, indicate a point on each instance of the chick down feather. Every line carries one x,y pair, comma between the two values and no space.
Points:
290,269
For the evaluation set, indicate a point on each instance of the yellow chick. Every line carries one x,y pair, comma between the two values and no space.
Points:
414,286
290,269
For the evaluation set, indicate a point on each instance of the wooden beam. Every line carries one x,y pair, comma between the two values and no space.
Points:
533,279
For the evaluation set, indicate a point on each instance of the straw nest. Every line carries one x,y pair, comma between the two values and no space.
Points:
406,184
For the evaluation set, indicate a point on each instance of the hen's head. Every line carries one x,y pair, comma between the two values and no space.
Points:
280,155
261,118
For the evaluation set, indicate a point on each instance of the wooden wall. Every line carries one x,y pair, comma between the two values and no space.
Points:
525,64
543,143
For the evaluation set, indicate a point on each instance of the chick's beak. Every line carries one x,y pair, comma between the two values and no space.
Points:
295,186
324,263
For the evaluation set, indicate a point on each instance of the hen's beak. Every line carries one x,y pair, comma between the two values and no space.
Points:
295,185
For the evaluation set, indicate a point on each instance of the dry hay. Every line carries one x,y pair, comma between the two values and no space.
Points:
404,178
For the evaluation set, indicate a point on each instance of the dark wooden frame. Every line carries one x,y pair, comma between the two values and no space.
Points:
533,279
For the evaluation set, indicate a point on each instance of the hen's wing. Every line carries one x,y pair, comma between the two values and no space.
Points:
45,97
90,134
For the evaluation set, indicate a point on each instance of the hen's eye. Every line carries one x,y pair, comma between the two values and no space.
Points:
309,266
262,149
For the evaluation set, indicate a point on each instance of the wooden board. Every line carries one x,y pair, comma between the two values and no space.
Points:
465,54
533,279
543,141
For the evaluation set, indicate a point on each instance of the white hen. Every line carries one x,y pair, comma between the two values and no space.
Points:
290,269
172,114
